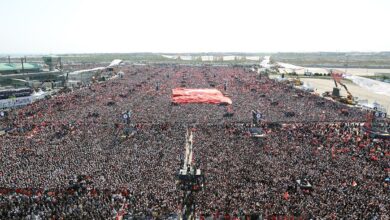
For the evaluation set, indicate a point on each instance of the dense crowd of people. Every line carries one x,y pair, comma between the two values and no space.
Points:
69,157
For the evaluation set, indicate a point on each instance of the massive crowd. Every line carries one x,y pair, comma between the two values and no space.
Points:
66,157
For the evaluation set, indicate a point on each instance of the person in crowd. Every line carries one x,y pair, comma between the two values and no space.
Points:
65,158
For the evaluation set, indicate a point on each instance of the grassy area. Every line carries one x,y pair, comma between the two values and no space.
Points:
357,60
318,59
321,59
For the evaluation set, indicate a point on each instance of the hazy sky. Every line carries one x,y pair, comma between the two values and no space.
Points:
78,26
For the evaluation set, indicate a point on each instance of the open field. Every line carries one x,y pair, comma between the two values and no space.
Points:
378,60
336,60
364,71
323,85
370,72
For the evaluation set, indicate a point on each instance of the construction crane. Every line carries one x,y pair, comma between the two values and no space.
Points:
349,96
337,80
336,90
189,179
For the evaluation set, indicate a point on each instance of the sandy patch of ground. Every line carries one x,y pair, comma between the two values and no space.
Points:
352,71
322,85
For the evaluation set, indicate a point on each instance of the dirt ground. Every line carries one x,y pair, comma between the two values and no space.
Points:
352,71
322,85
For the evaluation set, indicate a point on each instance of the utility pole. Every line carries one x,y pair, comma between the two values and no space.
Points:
22,64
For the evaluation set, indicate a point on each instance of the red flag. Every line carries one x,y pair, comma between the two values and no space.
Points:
286,196
211,96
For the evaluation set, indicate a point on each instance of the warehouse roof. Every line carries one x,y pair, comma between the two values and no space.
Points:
6,67
11,67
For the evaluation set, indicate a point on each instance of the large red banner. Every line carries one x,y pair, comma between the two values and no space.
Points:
210,96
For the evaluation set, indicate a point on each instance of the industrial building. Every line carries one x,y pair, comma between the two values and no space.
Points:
11,68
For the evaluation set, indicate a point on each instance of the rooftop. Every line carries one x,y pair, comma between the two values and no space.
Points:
15,67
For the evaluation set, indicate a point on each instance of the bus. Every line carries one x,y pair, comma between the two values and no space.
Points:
12,98
15,93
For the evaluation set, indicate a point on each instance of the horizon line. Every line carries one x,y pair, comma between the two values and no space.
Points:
187,53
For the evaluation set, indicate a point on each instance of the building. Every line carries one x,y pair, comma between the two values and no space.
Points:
11,68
